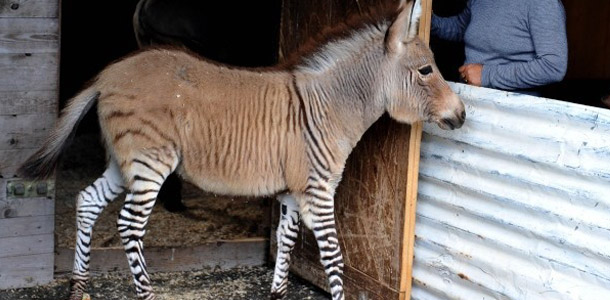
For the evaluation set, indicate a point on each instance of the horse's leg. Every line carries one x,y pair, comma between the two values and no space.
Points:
89,204
318,214
146,174
287,233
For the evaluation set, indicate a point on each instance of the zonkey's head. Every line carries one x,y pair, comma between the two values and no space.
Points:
415,89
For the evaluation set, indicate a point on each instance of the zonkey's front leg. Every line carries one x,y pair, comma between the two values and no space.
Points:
319,214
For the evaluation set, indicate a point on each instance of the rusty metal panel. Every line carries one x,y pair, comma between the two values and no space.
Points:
516,204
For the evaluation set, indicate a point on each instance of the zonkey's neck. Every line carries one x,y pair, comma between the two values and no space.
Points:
344,100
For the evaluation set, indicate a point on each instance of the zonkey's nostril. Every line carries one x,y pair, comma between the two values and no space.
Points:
449,123
463,115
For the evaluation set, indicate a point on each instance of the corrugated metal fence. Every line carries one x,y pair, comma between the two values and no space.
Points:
516,204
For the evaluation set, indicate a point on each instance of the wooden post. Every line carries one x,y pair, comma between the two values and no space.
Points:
412,178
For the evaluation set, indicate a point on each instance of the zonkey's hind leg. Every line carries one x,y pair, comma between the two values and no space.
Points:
89,204
146,174
287,233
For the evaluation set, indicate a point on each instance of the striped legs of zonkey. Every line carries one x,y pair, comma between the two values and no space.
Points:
287,233
319,216
146,174
89,204
316,209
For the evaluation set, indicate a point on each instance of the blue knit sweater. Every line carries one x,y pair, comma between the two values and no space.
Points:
521,43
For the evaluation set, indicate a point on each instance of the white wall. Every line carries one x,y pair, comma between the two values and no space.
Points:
515,204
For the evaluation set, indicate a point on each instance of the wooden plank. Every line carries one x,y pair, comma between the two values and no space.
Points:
27,35
29,8
220,254
26,245
30,207
13,227
29,72
425,20
25,131
28,102
11,159
26,271
408,238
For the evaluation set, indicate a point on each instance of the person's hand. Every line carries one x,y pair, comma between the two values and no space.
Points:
471,73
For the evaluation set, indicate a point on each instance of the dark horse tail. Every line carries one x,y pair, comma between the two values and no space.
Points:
42,163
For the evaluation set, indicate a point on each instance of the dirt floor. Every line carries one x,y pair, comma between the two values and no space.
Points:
238,284
209,217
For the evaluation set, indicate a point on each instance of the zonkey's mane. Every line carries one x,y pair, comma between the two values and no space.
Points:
315,51
308,53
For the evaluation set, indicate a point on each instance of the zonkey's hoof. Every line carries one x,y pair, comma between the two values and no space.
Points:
79,295
276,296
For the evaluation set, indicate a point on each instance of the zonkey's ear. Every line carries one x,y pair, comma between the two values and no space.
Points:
404,27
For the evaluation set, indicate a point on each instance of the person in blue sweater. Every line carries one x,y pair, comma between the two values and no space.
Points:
514,45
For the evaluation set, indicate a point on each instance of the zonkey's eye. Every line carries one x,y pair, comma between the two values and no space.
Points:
425,70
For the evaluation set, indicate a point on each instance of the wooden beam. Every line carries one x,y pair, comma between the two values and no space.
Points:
29,35
24,207
29,9
28,103
10,160
26,226
26,245
406,275
26,271
220,254
29,71
25,131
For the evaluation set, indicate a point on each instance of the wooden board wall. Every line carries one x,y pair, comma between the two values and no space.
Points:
371,200
29,48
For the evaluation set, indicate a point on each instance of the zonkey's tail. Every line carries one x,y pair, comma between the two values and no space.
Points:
42,163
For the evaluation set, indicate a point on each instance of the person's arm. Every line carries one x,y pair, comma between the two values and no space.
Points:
451,28
548,30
